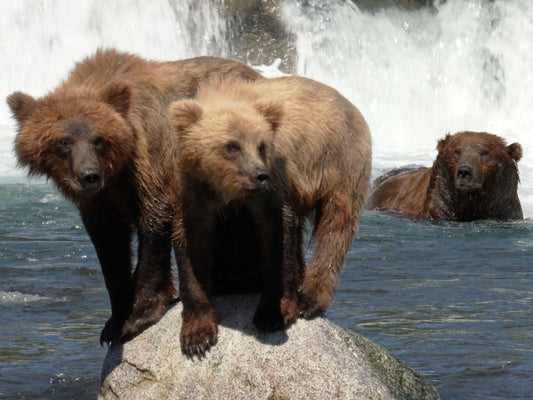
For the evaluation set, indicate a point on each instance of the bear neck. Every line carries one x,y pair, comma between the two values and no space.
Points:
200,193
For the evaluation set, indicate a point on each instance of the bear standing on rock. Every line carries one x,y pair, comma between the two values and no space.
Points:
475,176
105,139
283,149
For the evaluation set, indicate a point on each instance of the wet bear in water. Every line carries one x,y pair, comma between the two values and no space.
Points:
475,176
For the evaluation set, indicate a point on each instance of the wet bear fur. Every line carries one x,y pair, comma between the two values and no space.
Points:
104,137
475,176
285,150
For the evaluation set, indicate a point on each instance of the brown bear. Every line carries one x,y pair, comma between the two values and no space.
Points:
105,139
283,150
474,176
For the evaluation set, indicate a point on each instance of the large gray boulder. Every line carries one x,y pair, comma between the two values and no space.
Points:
312,360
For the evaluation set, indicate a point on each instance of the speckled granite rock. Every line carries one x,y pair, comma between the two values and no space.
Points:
312,360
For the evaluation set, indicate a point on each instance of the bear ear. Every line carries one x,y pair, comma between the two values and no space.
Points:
272,112
515,151
22,105
185,113
442,143
118,96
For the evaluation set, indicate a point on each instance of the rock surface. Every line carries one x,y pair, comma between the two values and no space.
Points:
312,360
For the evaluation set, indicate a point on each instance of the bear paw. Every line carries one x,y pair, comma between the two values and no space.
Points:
310,305
289,310
140,320
268,318
112,331
198,334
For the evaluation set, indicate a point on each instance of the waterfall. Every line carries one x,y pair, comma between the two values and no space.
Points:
415,74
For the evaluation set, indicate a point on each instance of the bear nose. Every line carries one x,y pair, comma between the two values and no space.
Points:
464,173
260,175
90,176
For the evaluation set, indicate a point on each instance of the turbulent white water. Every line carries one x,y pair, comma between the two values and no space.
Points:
7,298
415,75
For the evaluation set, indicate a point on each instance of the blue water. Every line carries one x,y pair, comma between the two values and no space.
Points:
452,300
52,299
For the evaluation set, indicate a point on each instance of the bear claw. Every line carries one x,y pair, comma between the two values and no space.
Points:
111,331
308,308
198,349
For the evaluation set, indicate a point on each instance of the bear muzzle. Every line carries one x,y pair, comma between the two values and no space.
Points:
260,176
466,179
257,181
90,180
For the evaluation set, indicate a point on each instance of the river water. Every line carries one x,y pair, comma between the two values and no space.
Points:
452,300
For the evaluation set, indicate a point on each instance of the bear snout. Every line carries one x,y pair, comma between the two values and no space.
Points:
90,179
260,176
467,179
464,173
255,181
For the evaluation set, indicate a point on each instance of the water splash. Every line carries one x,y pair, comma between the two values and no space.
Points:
41,40
8,298
415,75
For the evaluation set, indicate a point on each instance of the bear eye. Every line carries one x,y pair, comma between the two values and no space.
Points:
98,143
261,149
457,152
484,153
63,145
232,147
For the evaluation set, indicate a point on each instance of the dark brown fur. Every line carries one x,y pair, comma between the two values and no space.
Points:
316,151
475,176
105,139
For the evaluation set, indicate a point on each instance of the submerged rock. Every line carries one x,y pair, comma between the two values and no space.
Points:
314,359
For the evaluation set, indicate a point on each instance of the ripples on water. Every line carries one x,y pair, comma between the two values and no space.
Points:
452,300
52,298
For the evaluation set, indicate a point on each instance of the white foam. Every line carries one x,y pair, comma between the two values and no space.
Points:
7,298
415,75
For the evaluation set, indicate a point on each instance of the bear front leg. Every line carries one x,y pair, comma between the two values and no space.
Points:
334,233
194,256
278,305
110,234
293,265
199,328
153,287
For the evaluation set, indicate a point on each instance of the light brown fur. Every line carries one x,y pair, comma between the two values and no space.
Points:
318,155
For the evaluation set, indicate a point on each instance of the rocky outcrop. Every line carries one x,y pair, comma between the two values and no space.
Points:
257,33
311,360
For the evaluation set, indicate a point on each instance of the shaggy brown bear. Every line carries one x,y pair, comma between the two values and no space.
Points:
105,139
475,176
283,149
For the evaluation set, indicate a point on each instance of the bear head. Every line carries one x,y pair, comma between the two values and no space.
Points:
226,145
76,136
477,161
